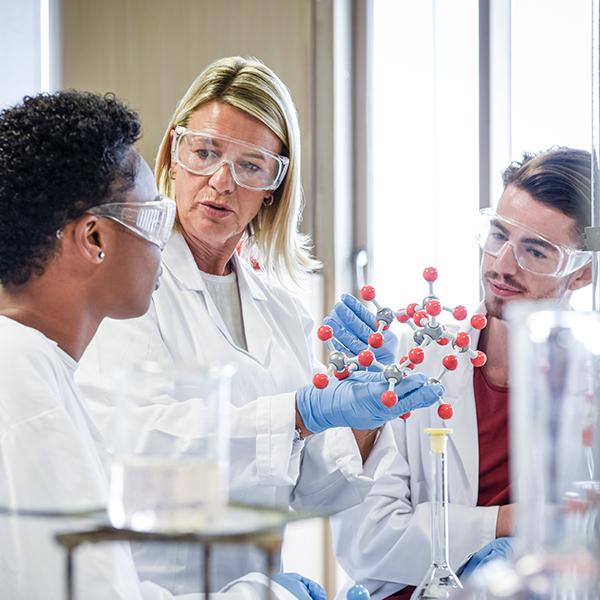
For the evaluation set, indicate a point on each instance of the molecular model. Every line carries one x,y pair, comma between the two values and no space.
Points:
422,318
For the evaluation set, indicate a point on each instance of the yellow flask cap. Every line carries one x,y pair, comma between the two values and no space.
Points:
438,438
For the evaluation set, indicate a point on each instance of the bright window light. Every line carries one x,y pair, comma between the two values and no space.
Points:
426,128
45,45
425,149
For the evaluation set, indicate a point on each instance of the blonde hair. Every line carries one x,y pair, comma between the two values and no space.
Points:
248,85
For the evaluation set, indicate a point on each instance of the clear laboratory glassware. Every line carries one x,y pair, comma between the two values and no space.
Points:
555,391
555,399
440,580
161,480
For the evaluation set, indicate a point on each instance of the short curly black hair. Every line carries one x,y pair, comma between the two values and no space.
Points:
60,154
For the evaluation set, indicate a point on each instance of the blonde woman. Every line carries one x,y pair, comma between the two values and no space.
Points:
230,158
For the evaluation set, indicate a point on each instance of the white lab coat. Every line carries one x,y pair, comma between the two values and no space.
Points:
52,458
268,466
385,542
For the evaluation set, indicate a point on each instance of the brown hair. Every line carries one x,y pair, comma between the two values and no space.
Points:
559,177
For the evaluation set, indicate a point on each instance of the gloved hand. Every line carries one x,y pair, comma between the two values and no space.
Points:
301,587
352,324
356,401
498,548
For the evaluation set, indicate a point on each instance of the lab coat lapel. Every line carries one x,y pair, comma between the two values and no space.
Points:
464,438
259,335
177,257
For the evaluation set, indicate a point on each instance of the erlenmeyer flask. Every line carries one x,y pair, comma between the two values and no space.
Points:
440,580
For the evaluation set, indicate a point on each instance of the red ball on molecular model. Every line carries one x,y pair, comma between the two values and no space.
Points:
460,313
389,398
433,308
324,333
416,355
342,374
385,325
409,365
419,316
445,411
410,309
478,321
480,359
450,362
430,274
365,358
443,341
462,340
320,380
376,340
405,415
367,292
402,317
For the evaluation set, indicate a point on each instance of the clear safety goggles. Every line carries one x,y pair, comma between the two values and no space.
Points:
532,251
252,167
152,221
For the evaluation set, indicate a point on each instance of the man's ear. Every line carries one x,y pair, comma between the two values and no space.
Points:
581,278
89,238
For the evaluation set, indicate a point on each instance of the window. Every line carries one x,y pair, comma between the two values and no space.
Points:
24,39
425,149
425,99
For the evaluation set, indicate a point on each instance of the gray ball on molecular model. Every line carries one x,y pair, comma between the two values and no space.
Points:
338,360
433,332
418,337
392,372
386,315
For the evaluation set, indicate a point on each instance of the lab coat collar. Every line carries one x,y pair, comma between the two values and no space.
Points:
464,425
259,334
248,278
178,257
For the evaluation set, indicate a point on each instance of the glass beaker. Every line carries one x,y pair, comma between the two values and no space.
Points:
168,480
440,580
555,384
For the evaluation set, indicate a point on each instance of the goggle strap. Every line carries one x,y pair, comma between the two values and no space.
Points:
591,236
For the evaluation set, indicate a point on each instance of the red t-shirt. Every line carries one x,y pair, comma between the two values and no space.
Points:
491,404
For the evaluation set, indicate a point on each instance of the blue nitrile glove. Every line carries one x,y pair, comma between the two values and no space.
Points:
352,323
356,401
301,587
498,548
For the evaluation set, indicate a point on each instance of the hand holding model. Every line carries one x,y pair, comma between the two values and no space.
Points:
355,401
352,324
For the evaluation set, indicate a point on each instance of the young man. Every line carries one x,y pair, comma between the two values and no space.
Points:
81,230
531,249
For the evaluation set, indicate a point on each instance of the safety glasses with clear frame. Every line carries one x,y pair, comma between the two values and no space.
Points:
203,153
532,251
151,221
